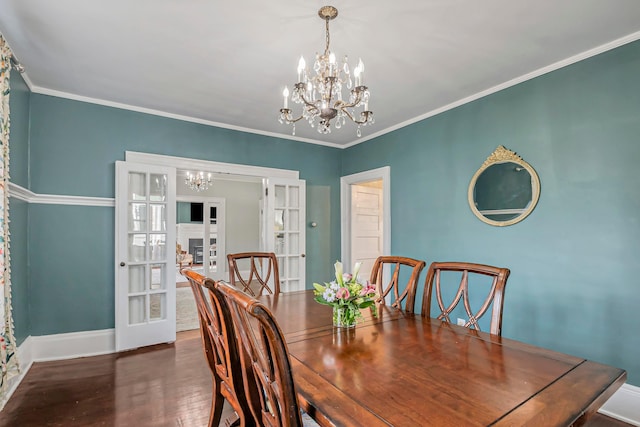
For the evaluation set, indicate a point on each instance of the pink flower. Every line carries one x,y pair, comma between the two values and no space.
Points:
368,289
343,293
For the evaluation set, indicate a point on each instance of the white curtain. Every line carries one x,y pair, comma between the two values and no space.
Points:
8,361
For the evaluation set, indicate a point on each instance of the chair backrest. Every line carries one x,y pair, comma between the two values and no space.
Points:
495,296
265,359
260,272
220,347
395,266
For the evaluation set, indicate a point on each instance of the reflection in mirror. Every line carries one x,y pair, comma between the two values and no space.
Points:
504,190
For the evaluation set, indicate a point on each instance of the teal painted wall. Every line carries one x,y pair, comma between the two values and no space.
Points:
74,146
573,262
19,210
71,249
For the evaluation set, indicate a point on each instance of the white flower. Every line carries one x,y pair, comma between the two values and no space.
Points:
338,268
356,269
329,295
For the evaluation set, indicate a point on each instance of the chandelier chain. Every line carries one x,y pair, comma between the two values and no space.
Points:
327,37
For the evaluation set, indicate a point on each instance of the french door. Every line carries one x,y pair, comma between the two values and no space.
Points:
145,224
285,230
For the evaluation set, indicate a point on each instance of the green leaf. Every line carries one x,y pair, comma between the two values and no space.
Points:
319,287
366,304
321,300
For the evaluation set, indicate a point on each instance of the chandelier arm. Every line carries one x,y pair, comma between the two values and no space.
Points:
358,91
348,114
286,115
307,103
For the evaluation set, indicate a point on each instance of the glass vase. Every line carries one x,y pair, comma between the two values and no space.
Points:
344,316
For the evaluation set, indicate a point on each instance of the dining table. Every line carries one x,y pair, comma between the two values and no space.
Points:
402,369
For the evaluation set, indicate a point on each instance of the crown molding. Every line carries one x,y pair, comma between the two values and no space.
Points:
29,196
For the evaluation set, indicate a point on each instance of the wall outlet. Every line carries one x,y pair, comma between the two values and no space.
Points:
461,322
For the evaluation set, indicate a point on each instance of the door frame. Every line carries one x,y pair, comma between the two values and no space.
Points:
209,165
384,174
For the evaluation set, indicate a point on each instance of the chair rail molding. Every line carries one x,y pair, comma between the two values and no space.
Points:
29,196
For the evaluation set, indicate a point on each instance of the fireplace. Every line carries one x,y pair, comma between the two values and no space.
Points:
196,249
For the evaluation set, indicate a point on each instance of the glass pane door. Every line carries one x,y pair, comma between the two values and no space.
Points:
145,285
286,216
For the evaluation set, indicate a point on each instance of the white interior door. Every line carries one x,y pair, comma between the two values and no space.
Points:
285,230
145,256
380,176
214,262
366,225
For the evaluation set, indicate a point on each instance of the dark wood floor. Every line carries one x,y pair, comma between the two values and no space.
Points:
164,385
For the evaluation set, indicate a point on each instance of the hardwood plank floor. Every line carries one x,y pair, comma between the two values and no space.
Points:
163,385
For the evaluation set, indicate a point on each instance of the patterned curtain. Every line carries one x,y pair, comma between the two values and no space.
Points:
8,361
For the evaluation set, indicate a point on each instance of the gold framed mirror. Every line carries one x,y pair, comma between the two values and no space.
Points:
505,189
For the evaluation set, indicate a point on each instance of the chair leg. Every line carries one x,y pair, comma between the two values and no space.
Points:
217,403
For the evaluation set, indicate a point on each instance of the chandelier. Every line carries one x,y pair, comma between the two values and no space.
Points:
197,182
321,93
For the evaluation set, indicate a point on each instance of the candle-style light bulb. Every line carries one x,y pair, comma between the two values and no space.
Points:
356,74
285,94
332,63
301,67
361,67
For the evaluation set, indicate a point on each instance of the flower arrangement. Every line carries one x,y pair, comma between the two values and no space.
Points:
346,294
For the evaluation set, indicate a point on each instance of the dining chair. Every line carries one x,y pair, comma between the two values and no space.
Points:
221,352
398,267
268,378
254,272
457,289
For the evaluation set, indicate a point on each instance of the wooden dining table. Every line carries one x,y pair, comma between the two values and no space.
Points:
400,369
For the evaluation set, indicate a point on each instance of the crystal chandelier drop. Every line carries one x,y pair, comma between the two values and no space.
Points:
321,93
198,182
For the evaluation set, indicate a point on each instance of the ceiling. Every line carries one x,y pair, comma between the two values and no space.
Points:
225,63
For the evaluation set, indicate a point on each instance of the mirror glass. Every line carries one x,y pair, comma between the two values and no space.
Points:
504,190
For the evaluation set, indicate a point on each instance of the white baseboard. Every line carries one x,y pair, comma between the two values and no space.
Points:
72,345
23,352
624,405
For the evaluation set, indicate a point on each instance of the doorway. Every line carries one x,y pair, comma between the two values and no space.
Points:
200,232
366,218
264,208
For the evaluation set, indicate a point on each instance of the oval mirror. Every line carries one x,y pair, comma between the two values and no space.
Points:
504,190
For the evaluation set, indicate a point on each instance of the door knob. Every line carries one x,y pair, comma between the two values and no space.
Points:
302,255
122,264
